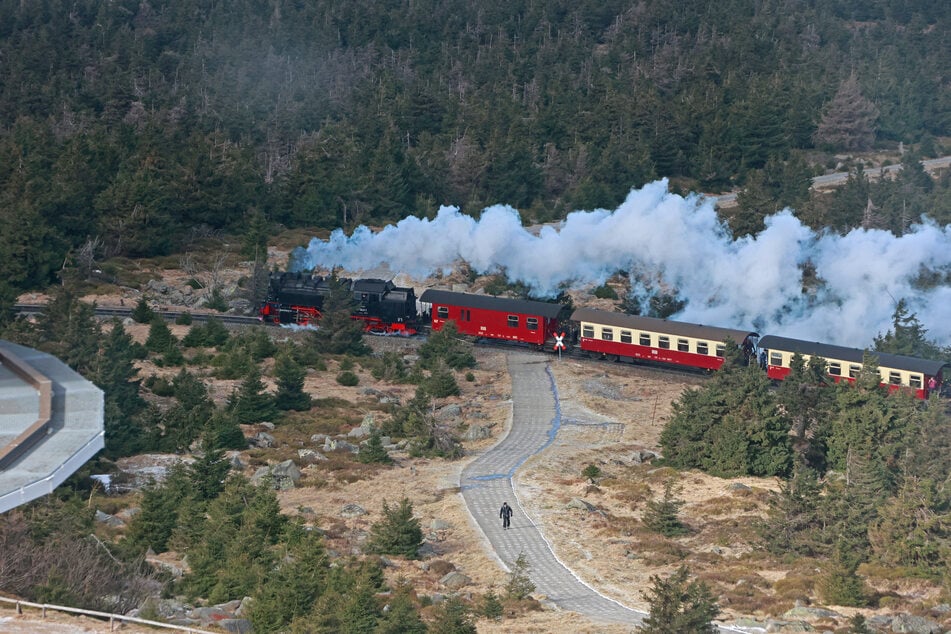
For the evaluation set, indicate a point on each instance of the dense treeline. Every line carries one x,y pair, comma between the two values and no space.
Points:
131,127
863,471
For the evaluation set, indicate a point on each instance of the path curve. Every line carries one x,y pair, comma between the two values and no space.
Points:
486,482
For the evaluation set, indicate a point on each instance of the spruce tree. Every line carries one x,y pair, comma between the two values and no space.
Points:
374,451
519,585
452,617
679,606
337,333
290,385
160,339
251,404
398,533
663,516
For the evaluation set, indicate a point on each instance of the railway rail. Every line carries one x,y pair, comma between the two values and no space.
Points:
122,312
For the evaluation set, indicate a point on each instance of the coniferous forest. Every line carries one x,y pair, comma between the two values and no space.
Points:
137,128
128,128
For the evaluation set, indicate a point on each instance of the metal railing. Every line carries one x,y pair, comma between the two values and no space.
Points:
42,384
114,619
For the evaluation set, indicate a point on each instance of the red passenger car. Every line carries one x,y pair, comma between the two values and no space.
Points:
495,317
920,376
634,337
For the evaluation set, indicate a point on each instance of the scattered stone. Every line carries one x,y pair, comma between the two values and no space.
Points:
367,423
738,486
235,626
439,525
263,440
358,432
578,503
108,520
268,426
911,624
318,438
352,510
477,432
449,412
804,612
788,626
309,456
455,580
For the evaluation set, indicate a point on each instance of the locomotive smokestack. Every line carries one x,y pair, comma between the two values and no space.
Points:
664,239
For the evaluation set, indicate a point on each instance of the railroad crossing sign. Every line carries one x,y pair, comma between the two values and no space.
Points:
560,343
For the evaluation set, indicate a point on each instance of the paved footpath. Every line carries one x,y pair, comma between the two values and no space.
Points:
487,482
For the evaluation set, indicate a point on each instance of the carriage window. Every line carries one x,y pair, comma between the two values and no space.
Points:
626,336
721,350
607,334
645,339
776,358
513,321
587,331
442,312
835,369
531,323
894,378
915,380
466,315
854,370
702,347
663,342
683,345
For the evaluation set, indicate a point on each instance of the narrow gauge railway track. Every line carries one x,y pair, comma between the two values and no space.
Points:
168,315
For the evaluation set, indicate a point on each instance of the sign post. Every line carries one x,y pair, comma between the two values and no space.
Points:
560,344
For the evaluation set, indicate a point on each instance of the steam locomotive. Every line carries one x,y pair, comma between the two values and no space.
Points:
298,298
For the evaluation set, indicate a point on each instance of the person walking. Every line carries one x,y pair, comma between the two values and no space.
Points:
506,514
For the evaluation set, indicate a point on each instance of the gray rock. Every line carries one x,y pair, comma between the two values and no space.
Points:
738,486
260,474
367,423
268,426
263,440
309,456
642,456
788,626
352,510
235,461
477,432
578,503
358,432
108,520
235,626
449,412
911,624
455,580
804,612
318,438
439,525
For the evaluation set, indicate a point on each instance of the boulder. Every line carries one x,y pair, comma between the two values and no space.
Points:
352,510
578,503
309,456
455,580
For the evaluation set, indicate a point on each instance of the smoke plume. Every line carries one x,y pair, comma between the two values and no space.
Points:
664,240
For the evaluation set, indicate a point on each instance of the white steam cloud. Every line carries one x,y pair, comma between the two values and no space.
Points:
670,241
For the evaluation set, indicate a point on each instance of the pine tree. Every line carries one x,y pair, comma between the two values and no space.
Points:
848,122
519,585
398,533
142,313
907,336
208,473
374,451
452,617
251,404
115,375
160,339
839,584
663,516
402,617
290,385
337,332
679,606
